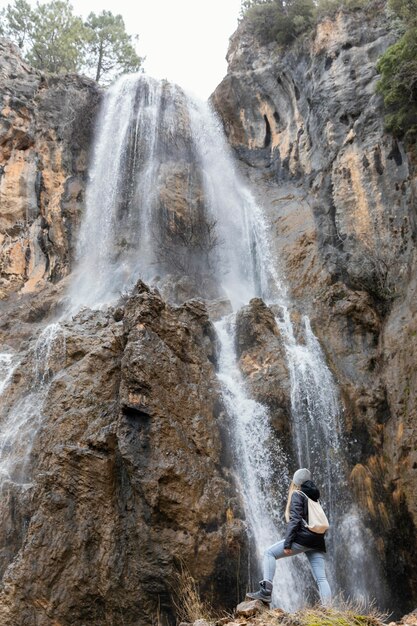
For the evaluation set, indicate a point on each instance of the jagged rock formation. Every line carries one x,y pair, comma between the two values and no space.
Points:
262,361
307,125
131,474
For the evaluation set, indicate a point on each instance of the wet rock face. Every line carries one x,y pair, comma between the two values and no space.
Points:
46,126
263,363
130,474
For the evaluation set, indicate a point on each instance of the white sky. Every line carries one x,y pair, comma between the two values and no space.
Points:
184,41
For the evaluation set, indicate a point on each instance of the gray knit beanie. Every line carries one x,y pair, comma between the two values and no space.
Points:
300,476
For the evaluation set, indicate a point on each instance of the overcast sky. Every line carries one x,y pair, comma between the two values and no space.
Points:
184,41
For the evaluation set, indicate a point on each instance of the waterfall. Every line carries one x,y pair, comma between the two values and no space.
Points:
245,265
315,405
149,134
115,235
7,367
21,421
157,134
263,465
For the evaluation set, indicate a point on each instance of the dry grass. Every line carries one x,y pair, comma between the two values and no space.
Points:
321,616
186,598
341,613
190,607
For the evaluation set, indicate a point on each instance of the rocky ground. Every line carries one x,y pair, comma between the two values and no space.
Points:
256,613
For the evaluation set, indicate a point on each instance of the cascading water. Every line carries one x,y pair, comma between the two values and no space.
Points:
21,421
7,367
315,405
262,463
114,238
314,398
148,132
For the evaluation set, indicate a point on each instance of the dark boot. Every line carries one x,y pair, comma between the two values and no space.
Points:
264,593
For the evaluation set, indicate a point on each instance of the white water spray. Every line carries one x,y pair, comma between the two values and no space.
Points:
262,463
114,244
21,422
7,367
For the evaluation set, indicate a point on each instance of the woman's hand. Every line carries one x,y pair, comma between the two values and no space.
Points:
287,551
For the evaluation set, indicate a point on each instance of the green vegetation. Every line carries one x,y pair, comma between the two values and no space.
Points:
349,616
55,40
276,20
282,21
398,69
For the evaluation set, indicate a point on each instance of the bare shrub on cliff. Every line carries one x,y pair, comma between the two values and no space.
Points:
378,274
187,246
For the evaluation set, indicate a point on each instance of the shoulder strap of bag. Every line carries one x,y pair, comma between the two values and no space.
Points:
304,494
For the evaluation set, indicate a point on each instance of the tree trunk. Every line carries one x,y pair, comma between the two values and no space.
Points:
99,62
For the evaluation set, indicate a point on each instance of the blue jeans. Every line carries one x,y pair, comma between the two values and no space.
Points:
315,558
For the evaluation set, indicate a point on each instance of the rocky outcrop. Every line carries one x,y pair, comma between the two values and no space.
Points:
132,478
121,471
339,193
263,362
311,120
398,348
46,125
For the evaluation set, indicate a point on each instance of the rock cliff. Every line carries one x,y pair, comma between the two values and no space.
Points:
131,459
307,125
46,126
132,478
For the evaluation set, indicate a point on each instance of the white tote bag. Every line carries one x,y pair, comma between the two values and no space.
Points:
317,520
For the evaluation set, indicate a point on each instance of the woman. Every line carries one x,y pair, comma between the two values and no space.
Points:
298,539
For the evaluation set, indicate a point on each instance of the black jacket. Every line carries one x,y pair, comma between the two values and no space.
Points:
296,530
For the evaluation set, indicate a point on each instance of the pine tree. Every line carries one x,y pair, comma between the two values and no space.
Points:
17,23
55,40
109,49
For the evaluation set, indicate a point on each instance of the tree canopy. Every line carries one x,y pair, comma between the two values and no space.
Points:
282,21
276,20
109,47
398,69
55,40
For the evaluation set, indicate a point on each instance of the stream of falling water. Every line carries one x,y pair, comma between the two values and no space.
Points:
263,465
7,367
21,421
315,405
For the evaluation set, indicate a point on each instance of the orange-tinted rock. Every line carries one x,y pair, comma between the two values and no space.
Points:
45,135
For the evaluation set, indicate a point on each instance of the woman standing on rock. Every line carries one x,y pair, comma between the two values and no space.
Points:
298,538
